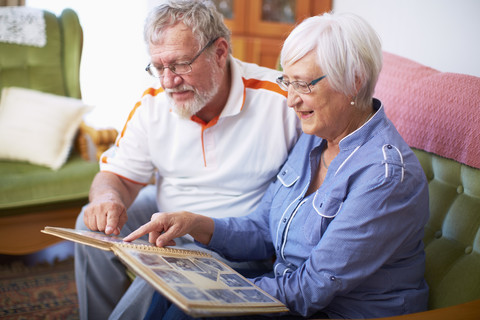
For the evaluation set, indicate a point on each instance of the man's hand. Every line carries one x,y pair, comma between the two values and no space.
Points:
163,228
106,215
110,196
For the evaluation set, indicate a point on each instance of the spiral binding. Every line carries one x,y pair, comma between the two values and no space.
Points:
165,250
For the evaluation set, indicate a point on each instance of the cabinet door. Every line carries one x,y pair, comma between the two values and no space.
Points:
275,18
259,27
268,17
262,51
234,12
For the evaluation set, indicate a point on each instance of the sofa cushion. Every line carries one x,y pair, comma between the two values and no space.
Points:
452,234
38,127
24,184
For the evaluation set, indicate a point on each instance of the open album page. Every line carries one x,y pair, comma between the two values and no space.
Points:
199,284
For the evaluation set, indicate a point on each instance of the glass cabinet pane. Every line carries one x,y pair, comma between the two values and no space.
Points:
282,11
225,7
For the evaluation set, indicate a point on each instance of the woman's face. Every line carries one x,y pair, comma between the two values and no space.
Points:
323,112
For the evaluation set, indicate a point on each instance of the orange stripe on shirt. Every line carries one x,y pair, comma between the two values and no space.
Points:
262,84
133,181
205,126
150,91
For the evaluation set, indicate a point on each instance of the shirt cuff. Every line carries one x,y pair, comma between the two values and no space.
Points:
219,237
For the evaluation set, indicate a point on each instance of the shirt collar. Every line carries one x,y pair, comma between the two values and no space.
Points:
367,130
236,96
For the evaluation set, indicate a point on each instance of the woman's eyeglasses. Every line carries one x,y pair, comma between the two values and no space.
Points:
299,86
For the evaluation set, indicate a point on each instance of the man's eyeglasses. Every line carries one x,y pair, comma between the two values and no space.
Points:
177,68
299,86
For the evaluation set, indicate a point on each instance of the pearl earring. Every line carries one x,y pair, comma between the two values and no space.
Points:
352,103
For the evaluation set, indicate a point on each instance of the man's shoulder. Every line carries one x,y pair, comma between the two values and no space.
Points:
256,77
254,71
152,91
151,97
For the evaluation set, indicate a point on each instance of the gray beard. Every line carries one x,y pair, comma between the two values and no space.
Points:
191,107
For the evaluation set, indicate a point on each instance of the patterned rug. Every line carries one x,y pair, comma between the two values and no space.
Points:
40,292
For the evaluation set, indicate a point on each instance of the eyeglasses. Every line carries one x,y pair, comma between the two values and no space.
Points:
177,68
299,86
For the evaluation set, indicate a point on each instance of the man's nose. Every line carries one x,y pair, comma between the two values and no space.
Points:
169,79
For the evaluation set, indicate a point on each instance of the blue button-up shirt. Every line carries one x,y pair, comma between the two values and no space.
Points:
353,248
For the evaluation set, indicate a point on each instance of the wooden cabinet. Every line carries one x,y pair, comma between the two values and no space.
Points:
259,27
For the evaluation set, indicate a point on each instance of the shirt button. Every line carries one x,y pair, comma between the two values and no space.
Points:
332,278
284,220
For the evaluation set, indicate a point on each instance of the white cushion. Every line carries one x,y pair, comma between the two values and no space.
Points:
38,127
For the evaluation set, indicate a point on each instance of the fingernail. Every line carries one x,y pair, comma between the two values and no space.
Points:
108,230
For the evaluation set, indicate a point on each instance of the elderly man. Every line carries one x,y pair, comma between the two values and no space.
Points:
213,134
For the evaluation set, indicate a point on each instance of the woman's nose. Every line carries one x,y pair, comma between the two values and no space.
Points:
293,98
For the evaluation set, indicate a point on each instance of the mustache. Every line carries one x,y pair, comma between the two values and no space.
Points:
180,88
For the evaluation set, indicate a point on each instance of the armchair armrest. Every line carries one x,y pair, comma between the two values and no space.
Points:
465,311
91,142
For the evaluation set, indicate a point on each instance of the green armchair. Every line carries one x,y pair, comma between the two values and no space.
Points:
33,196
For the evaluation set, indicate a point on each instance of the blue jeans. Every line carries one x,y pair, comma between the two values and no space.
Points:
104,289
161,308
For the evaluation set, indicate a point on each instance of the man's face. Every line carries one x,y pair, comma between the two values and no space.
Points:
190,92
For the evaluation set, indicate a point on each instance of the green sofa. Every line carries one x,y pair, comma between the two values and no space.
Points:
32,196
438,114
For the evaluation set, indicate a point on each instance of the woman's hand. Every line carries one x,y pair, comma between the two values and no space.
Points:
164,227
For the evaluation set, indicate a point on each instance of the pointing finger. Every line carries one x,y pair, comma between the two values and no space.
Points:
141,231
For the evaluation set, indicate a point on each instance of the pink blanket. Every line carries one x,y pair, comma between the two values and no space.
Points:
434,111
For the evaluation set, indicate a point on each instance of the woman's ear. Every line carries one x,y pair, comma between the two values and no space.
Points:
358,84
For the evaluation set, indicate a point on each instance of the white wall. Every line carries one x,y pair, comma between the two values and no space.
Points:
443,34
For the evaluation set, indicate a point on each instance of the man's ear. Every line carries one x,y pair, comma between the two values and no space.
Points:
221,51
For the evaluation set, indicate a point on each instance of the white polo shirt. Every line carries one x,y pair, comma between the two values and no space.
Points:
217,169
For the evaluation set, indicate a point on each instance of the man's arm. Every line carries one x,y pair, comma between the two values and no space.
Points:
110,196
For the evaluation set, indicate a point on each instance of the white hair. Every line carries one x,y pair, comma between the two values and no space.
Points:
200,15
347,50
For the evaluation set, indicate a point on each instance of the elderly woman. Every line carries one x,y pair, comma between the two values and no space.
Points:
345,217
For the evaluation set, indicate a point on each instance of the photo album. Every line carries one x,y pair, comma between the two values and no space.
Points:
196,282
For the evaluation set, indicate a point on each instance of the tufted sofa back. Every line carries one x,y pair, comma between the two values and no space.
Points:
43,68
438,114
